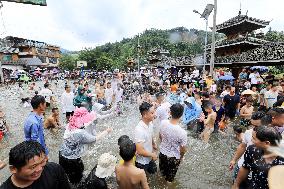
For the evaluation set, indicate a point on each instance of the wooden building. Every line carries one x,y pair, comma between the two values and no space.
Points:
16,51
242,47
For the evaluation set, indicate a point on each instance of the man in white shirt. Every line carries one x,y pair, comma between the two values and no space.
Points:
67,102
173,143
144,141
254,78
47,94
225,92
271,97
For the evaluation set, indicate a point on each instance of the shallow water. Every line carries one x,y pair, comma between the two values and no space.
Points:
204,167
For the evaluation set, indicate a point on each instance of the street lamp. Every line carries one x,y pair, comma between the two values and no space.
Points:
206,13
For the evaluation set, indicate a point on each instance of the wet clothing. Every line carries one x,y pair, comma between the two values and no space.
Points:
173,137
75,143
144,134
168,167
173,98
67,102
150,168
191,112
33,129
52,177
231,103
80,98
255,163
92,181
74,168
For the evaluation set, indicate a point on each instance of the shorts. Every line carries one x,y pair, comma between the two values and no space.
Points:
73,168
168,167
68,114
150,168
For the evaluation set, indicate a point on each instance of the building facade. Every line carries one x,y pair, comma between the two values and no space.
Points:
16,51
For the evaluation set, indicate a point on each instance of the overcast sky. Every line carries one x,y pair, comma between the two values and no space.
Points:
75,24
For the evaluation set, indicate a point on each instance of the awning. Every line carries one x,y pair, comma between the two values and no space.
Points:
31,61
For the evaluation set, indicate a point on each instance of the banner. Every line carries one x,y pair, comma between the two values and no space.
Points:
33,2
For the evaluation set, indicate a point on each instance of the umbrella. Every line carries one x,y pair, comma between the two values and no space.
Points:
260,68
226,77
37,73
248,92
55,71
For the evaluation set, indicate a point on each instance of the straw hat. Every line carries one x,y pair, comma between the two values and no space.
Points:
106,165
275,177
248,92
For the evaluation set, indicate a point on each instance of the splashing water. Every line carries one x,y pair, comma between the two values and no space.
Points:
205,166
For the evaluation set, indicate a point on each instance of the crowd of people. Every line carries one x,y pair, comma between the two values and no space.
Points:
171,103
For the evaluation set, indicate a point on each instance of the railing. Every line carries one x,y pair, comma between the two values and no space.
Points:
267,52
7,62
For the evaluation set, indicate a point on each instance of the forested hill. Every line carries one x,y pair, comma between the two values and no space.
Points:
178,41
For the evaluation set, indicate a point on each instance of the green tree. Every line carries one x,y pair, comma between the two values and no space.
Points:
67,62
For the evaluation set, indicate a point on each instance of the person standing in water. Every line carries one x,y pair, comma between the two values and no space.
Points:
208,123
33,127
173,143
144,140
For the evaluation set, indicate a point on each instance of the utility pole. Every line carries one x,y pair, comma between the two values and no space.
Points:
213,39
205,49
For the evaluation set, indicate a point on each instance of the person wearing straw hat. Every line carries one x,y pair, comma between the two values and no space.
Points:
97,177
77,136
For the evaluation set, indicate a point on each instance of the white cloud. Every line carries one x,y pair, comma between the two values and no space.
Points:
75,24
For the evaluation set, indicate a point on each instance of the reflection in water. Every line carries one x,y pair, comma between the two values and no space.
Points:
204,167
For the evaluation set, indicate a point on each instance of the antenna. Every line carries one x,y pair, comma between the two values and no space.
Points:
240,11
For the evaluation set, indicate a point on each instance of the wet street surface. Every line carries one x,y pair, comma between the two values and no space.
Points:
204,167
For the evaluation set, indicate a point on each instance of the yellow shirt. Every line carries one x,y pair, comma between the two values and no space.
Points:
209,82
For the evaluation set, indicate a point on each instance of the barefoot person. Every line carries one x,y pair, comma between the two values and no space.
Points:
127,175
209,123
53,120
